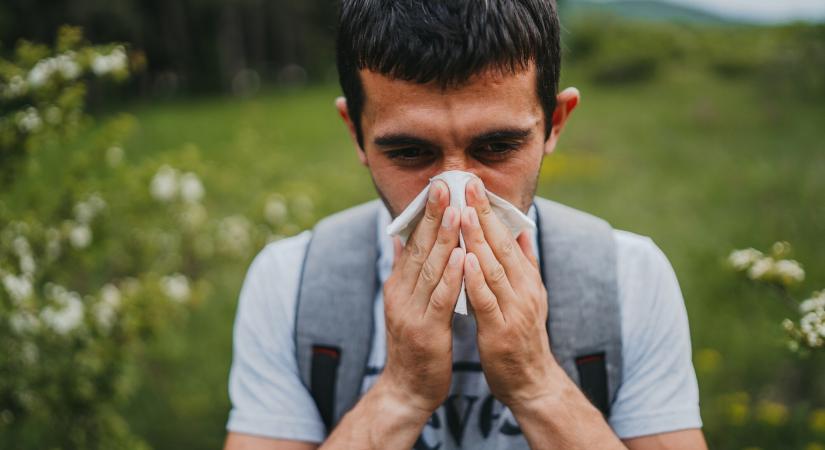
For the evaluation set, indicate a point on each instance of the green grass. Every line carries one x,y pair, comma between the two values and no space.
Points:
699,164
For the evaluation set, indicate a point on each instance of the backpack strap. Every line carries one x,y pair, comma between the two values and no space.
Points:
334,323
334,316
578,266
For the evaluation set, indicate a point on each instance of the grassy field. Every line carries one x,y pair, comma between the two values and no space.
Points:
701,165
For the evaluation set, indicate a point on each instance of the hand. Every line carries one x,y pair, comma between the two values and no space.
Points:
509,302
419,298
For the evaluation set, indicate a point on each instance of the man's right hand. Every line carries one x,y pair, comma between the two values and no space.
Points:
419,299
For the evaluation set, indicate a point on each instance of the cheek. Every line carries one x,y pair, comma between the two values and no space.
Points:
514,180
398,187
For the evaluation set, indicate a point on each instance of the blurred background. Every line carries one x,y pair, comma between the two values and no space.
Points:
149,149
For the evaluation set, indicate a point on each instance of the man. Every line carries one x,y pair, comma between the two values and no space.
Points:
470,85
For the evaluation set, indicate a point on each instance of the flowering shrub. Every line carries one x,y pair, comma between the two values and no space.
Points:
42,90
774,269
97,254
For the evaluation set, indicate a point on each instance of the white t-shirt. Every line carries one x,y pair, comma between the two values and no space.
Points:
658,392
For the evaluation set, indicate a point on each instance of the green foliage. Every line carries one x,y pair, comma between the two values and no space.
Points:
614,51
98,254
42,92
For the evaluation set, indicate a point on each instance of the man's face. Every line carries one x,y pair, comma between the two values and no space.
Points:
492,126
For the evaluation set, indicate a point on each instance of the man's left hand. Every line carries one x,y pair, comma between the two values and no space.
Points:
509,302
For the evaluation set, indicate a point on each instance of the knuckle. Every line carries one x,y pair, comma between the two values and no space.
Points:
486,304
438,301
497,275
508,248
430,214
428,273
417,252
444,237
484,209
476,238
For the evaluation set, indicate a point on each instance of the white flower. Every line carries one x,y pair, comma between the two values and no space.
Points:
67,313
41,72
742,259
191,188
176,287
234,234
105,310
275,210
53,248
113,62
16,87
27,265
80,236
761,268
164,184
817,302
22,322
67,66
110,295
193,215
29,121
85,211
23,250
19,287
114,156
789,271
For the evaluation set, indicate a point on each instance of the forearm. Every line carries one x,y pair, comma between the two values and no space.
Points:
564,419
381,419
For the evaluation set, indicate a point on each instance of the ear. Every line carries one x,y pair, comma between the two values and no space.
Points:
566,101
343,111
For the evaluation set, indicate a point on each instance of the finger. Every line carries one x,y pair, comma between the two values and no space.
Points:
421,241
495,231
433,268
445,295
397,248
494,273
525,242
485,306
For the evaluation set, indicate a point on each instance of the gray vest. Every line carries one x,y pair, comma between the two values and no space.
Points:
339,282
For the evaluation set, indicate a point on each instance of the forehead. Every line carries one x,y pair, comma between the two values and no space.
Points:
488,99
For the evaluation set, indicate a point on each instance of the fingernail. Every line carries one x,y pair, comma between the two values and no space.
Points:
435,191
455,257
447,219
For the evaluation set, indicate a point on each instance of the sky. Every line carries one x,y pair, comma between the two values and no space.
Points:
762,10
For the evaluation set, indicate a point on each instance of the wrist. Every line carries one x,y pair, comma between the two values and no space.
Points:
397,401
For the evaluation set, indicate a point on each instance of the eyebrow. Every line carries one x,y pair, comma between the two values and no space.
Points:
404,139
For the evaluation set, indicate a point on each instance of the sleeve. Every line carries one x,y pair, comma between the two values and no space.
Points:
267,395
659,391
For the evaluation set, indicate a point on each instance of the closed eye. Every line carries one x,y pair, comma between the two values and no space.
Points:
496,151
410,155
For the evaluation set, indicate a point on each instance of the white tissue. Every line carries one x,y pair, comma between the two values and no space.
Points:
456,181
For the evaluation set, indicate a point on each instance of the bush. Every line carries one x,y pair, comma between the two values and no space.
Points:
97,254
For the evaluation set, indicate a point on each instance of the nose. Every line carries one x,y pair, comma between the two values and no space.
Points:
459,161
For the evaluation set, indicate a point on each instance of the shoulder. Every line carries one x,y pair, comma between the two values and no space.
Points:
646,280
271,285
658,392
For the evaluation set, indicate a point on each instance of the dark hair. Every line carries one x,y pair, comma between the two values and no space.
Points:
447,41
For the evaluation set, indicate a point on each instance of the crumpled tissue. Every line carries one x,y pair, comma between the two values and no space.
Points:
456,181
